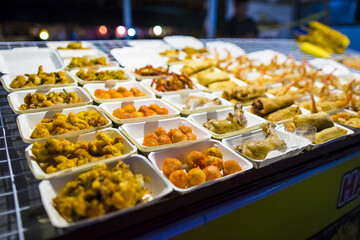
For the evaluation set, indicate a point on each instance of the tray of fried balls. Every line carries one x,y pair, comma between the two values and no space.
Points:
164,133
56,157
199,164
102,191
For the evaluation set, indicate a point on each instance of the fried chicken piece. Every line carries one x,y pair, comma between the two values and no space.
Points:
214,161
230,167
170,165
185,129
164,139
159,131
213,151
178,136
196,159
178,178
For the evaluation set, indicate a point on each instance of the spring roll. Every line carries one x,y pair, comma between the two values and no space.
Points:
222,85
194,67
243,93
212,77
319,120
328,134
263,106
283,114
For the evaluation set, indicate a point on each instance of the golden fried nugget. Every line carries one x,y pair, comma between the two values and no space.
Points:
214,161
195,177
213,151
170,165
230,167
196,159
212,172
178,178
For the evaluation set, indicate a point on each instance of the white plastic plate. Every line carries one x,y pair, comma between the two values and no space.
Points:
133,57
91,87
130,77
129,149
80,53
16,99
220,47
179,100
158,187
27,60
154,44
294,144
27,123
328,66
56,44
147,83
136,132
7,79
253,121
109,108
265,56
180,42
108,63
180,153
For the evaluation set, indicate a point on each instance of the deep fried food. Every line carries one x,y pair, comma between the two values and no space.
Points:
73,46
347,118
212,172
94,75
60,123
151,71
170,165
194,102
328,134
283,114
121,92
41,100
172,82
129,111
196,159
263,106
194,67
77,62
195,177
211,77
243,93
41,78
230,167
178,136
160,137
214,161
213,151
319,120
178,178
100,191
59,154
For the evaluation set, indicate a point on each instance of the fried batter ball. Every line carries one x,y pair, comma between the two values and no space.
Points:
99,191
178,178
191,136
170,165
213,151
196,159
185,129
230,167
160,131
164,139
151,139
129,111
173,136
178,136
121,92
212,172
214,161
195,177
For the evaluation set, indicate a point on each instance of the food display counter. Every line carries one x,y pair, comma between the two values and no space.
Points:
312,194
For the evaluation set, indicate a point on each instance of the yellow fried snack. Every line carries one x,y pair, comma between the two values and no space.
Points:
328,134
194,67
93,75
283,114
41,78
212,172
195,177
178,178
59,154
77,62
60,123
100,191
212,77
171,165
41,100
230,167
73,46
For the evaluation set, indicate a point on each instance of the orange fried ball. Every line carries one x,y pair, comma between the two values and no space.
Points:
185,129
164,139
137,115
230,167
178,178
214,161
160,131
195,177
213,151
129,108
212,172
196,159
190,136
178,136
151,139
170,165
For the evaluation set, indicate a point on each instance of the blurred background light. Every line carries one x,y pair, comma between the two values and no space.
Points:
44,34
103,30
131,32
157,30
120,31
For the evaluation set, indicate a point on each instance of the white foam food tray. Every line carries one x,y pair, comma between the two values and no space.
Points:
329,66
265,57
295,145
108,63
7,79
179,102
158,187
109,108
27,123
303,112
27,60
253,121
180,153
16,99
355,129
147,83
136,132
129,149
91,87
56,44
154,44
180,42
134,57
130,77
222,47
80,53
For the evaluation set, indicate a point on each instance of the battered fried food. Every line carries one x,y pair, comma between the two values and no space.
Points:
59,154
230,167
283,114
243,93
329,134
129,111
172,82
212,172
194,67
263,106
100,191
196,159
73,46
41,100
194,102
78,62
94,75
195,177
178,178
170,165
149,70
41,78
121,92
60,123
347,118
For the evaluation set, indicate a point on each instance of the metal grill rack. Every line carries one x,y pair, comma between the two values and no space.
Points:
22,215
